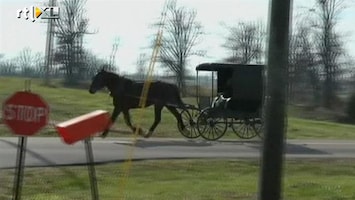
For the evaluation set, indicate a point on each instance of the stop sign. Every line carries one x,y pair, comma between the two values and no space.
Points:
25,113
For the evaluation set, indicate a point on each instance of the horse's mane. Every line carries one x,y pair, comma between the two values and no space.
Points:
117,76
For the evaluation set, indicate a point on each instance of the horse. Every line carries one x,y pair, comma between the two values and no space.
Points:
126,94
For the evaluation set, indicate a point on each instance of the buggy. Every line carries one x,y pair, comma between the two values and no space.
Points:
236,100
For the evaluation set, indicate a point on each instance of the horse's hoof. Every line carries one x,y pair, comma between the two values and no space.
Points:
181,126
104,134
139,131
148,134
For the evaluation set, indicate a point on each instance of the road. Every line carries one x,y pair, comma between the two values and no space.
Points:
52,151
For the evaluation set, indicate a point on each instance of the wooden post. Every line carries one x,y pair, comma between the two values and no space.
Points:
91,169
272,159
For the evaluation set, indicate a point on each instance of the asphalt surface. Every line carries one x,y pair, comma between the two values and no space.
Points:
54,152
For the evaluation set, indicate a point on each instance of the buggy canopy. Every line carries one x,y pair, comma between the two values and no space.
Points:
243,81
226,66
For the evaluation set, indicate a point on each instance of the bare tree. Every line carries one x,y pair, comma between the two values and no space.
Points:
303,68
329,46
245,42
112,60
7,67
141,65
24,60
180,35
317,54
30,63
71,28
93,64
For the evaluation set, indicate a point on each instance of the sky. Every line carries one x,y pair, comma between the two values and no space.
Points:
131,20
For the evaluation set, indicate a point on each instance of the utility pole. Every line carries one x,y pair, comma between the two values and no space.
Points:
276,80
49,46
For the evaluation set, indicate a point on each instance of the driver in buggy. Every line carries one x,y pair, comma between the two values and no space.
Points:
225,96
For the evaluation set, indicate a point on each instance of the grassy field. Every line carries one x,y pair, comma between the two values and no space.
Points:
175,179
187,179
66,103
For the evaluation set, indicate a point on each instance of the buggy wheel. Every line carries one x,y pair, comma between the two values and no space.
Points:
258,127
244,128
189,120
211,128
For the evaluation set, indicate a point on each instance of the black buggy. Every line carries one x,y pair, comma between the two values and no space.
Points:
235,101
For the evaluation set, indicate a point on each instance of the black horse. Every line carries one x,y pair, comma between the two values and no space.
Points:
126,95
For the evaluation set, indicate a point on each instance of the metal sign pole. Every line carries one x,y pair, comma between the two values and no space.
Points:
20,164
91,169
20,158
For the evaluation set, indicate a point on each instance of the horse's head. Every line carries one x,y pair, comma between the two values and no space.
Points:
99,81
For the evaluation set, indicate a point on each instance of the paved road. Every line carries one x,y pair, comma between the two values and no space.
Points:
52,151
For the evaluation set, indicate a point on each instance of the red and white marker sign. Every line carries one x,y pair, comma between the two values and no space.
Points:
25,113
83,126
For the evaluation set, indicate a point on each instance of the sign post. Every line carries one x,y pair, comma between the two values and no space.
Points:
20,165
91,169
25,113
83,128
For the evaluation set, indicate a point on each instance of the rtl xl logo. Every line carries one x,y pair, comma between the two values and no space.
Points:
38,12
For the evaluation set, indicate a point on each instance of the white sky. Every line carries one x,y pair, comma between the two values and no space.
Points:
130,21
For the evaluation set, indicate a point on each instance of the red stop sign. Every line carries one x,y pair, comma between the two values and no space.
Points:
25,113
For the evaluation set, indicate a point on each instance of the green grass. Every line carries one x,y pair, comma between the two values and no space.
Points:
187,179
175,179
66,103
312,129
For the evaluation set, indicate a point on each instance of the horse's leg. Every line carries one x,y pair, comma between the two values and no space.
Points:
177,115
157,113
115,113
127,119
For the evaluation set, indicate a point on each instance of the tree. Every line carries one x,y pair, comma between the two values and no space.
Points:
317,54
71,28
245,42
181,32
303,68
93,64
7,67
329,45
112,59
30,63
141,66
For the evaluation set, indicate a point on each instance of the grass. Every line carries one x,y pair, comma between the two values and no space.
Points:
313,129
66,103
176,179
187,179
